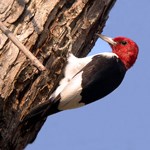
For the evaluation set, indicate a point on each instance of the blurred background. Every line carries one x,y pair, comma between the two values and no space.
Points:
121,120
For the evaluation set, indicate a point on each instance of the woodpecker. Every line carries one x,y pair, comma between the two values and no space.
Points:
91,78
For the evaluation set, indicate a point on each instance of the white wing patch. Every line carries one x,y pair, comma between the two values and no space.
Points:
70,96
73,66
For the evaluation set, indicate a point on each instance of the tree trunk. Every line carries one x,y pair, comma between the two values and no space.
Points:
45,27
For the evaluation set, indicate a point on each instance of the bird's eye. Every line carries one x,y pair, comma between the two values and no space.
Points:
123,42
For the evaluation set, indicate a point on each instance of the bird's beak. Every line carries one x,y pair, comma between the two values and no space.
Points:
107,39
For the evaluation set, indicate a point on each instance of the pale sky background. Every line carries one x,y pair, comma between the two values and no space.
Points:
121,120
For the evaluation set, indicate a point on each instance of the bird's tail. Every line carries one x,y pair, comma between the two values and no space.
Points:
42,110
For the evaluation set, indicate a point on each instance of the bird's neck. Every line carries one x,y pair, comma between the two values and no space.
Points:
127,58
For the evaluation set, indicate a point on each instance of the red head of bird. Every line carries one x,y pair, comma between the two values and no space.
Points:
125,48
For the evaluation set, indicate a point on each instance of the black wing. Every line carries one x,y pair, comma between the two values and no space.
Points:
101,76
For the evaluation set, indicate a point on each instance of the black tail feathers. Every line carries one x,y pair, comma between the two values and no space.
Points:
42,111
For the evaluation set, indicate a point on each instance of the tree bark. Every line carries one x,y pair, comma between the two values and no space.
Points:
47,28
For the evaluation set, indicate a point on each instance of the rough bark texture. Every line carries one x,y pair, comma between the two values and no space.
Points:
45,28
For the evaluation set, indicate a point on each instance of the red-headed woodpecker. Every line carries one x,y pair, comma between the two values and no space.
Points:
91,78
